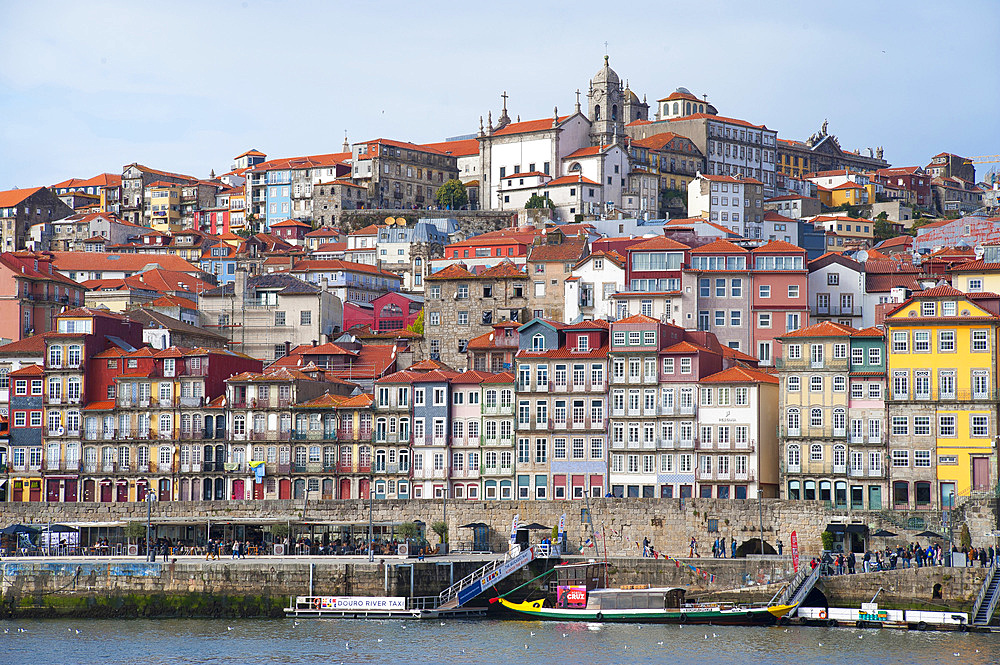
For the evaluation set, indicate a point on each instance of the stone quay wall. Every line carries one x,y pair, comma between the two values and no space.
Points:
622,523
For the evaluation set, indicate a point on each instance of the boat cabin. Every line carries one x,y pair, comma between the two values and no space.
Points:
635,599
592,575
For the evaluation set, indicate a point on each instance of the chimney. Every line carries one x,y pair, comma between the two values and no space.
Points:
314,343
288,347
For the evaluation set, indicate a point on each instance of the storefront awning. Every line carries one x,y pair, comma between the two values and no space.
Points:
836,528
857,528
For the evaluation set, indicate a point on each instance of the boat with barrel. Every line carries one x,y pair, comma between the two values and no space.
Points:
582,594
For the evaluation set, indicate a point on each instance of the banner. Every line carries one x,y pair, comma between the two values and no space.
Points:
571,596
513,529
795,551
562,527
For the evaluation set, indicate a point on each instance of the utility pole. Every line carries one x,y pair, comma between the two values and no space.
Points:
371,508
760,507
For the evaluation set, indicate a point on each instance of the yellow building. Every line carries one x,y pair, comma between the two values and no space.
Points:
849,193
942,402
980,276
164,206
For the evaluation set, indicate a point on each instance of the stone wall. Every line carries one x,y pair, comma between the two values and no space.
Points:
937,588
471,222
668,523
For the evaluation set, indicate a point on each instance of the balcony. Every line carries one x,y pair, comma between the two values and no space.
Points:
836,310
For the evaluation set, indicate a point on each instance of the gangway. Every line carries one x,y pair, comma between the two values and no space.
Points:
986,601
800,586
473,584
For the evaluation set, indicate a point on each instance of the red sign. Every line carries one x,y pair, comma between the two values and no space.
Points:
571,596
795,552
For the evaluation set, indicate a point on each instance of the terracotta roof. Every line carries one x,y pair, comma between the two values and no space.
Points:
500,377
33,345
685,347
370,230
729,178
291,222
522,236
174,301
570,250
529,126
589,151
942,290
740,375
106,262
823,329
709,116
849,185
659,242
102,405
719,245
868,332
23,265
778,246
564,352
730,352
661,140
637,318
503,269
570,180
12,197
461,148
306,265
885,282
29,370
471,377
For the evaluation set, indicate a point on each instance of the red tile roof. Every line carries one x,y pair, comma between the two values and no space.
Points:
659,242
589,151
107,262
12,197
529,126
570,180
778,246
306,265
637,318
740,375
461,148
719,245
720,118
823,329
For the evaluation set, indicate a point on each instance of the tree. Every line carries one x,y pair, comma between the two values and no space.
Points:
407,531
452,195
883,229
537,201
441,529
418,324
135,531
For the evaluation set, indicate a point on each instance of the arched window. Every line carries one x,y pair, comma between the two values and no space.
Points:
676,109
816,452
816,417
839,422
793,456
575,166
687,108
839,455
793,422
794,491
538,342
614,112
597,112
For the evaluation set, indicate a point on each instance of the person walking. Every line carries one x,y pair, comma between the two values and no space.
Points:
694,548
781,547
236,549
645,547
732,546
722,547
852,561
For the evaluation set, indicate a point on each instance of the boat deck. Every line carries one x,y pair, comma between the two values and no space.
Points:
339,607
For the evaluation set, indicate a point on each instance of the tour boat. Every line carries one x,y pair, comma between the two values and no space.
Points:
581,595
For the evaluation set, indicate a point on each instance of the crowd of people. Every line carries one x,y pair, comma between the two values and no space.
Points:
902,556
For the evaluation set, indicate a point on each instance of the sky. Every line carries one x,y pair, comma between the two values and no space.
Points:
87,87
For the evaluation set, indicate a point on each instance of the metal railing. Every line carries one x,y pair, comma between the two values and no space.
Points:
981,596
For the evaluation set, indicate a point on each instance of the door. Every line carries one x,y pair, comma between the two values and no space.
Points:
874,497
121,492
106,491
258,490
69,490
88,491
185,493
52,490
220,489
165,494
947,496
363,486
284,489
300,488
980,473
141,488
238,493
207,455
206,489
35,490
345,488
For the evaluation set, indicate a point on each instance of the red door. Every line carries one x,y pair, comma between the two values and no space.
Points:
363,485
88,491
35,490
164,494
345,488
52,490
258,490
238,492
121,494
284,489
69,491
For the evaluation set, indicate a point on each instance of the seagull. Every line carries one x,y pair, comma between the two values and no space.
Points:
626,646
77,632
229,627
861,637
714,635
956,654
706,636
532,634
347,645
565,634
821,644
659,644
442,623
525,646
295,623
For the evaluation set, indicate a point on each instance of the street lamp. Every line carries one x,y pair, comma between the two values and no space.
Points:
150,498
371,509
760,508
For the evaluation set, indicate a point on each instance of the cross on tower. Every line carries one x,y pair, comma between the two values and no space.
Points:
504,95
605,48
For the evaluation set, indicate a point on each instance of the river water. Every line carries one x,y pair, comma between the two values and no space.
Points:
252,642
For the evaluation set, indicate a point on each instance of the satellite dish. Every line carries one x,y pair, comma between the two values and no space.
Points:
861,256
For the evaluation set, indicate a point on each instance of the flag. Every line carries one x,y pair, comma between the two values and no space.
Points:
562,526
513,529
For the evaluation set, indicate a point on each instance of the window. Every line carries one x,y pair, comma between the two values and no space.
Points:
979,427
922,458
900,458
840,351
305,318
928,309
793,290
279,318
816,417
815,384
816,452
839,384
946,341
764,291
921,425
763,319
874,356
979,340
833,279
900,342
946,426
794,351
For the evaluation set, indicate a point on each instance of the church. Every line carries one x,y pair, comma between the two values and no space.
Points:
578,161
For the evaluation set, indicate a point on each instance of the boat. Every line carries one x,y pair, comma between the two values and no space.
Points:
582,595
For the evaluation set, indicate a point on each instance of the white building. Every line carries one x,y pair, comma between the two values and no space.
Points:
591,287
737,435
735,203
837,292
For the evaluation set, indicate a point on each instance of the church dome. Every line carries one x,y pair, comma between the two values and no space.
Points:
631,96
606,74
